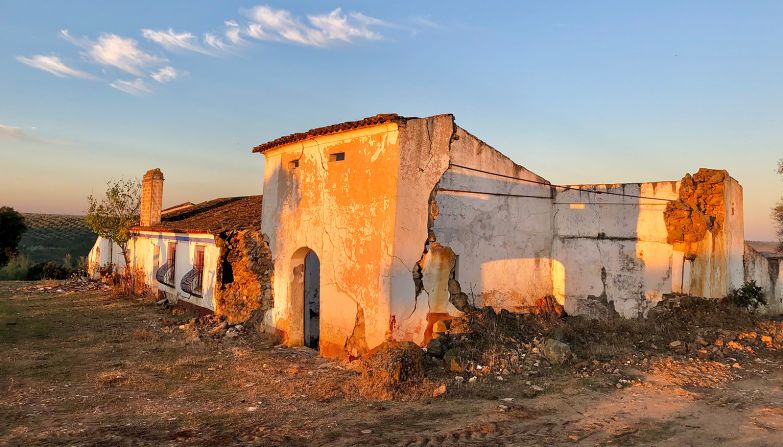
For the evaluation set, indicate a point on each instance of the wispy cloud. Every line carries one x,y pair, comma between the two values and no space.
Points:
172,40
259,23
17,133
426,22
214,41
165,74
53,65
13,132
233,32
116,51
267,23
134,87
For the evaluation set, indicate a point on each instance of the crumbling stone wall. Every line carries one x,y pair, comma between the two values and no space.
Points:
700,208
244,276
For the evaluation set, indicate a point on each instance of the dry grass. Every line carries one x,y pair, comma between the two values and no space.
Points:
91,369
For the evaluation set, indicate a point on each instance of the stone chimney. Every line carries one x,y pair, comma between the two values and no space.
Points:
151,197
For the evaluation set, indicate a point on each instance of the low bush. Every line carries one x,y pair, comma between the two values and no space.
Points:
47,270
749,296
16,269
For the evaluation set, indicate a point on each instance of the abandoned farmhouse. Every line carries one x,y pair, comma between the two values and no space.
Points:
383,228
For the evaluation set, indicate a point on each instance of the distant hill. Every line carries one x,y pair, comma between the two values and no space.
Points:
49,237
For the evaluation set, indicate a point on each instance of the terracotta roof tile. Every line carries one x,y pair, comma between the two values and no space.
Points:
334,128
212,216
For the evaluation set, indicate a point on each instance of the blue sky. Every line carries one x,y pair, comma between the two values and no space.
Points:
578,92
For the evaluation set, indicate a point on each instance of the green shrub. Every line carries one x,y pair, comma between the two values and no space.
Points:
16,269
748,296
47,270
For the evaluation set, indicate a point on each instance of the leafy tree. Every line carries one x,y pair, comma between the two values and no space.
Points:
11,228
113,216
777,212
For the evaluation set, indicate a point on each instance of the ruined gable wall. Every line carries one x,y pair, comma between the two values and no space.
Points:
500,228
610,251
465,236
344,211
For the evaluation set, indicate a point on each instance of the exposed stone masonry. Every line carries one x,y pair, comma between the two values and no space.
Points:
700,208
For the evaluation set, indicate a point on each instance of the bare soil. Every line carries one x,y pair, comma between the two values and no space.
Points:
85,368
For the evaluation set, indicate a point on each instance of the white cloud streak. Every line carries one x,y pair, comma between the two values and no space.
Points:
233,35
262,23
17,133
165,74
267,23
134,87
53,65
214,41
116,51
13,132
172,40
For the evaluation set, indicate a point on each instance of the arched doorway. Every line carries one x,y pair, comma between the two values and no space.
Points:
312,299
305,299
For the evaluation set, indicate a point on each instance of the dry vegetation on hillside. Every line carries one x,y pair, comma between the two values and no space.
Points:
49,237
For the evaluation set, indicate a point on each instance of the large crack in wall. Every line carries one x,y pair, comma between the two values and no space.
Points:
434,274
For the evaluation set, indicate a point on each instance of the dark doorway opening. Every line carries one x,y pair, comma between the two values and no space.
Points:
312,300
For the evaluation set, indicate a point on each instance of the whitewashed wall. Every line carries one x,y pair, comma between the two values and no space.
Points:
142,257
768,275
499,227
610,251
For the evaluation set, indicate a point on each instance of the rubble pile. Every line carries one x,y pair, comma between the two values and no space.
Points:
707,341
67,287
391,370
205,327
484,343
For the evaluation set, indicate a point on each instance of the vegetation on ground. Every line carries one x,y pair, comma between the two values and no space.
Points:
12,226
88,368
113,215
749,296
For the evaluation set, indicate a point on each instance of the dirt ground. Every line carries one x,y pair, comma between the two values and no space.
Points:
85,368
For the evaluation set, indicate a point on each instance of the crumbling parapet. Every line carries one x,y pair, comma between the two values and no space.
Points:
701,207
705,226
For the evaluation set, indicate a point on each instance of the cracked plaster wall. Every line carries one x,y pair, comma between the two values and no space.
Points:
491,236
499,227
402,231
610,252
345,212
614,253
424,157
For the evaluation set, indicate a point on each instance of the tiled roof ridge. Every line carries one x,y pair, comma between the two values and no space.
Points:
212,216
380,118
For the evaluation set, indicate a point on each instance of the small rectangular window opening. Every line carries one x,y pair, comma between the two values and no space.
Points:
577,206
337,156
293,164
